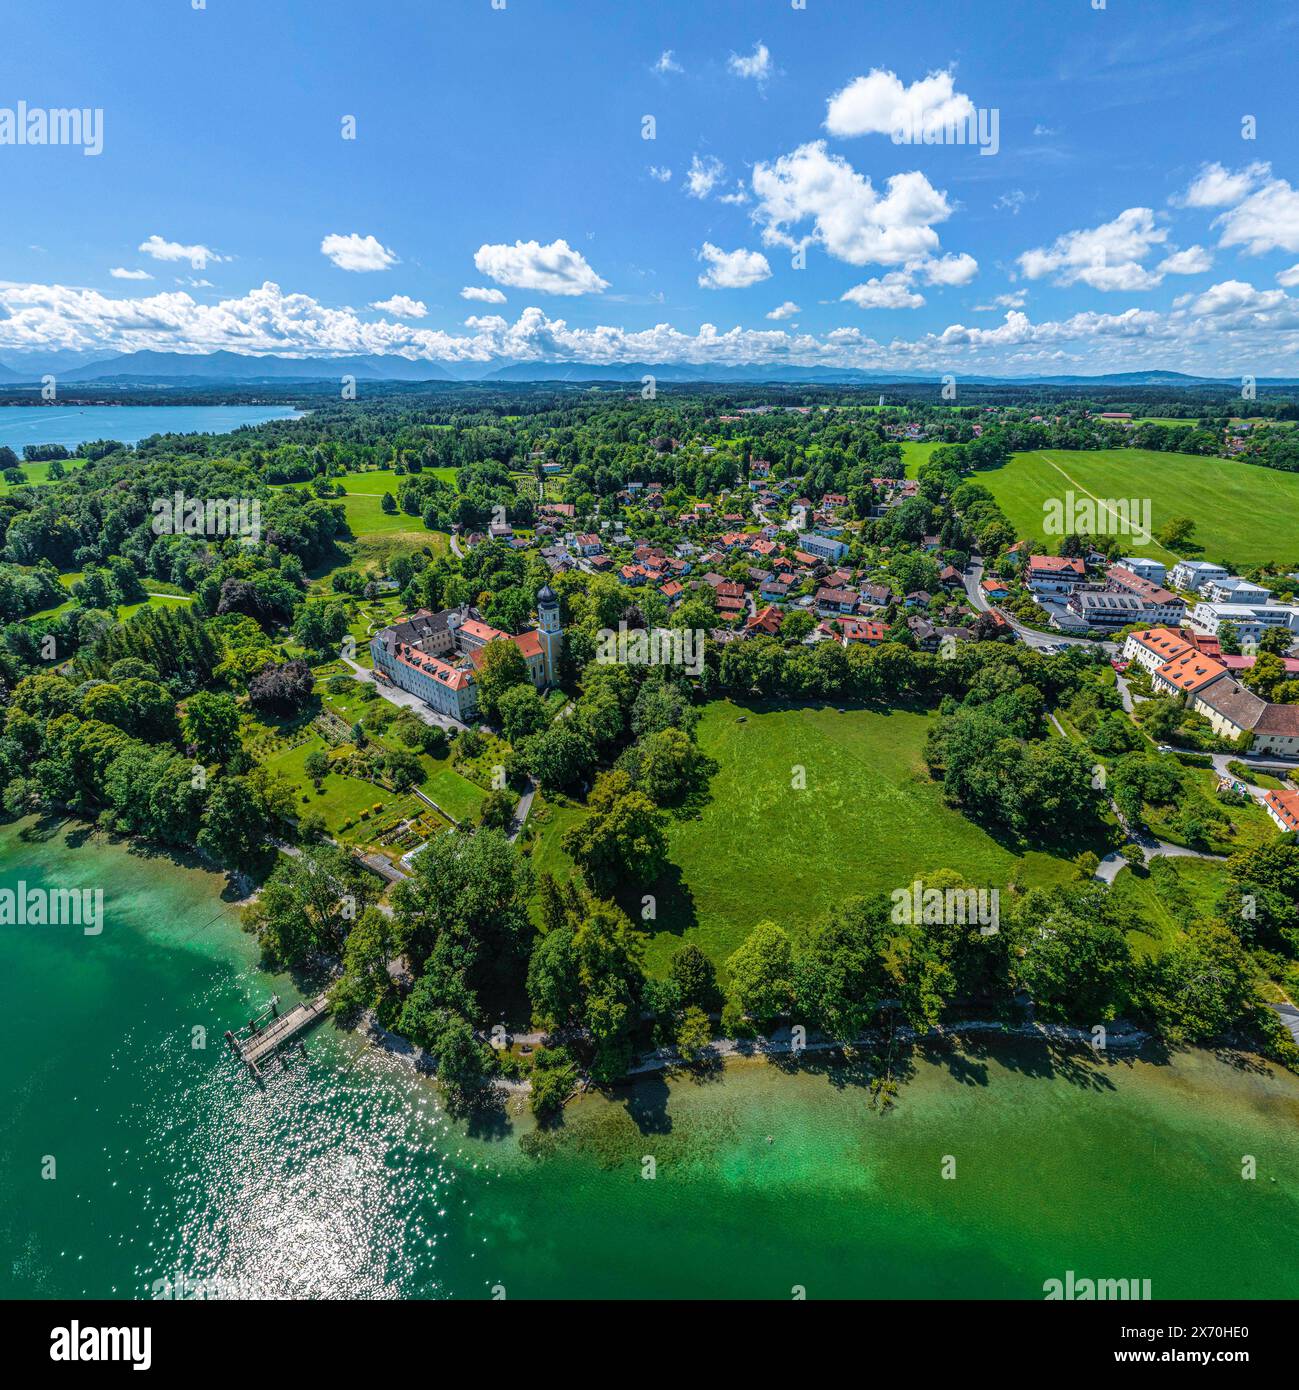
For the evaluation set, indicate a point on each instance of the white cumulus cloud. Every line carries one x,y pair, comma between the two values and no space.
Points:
402,306
120,273
881,103
356,252
952,269
1107,257
1190,261
787,310
732,270
527,265
667,63
1267,220
198,255
891,291
849,217
1217,187
485,294
704,175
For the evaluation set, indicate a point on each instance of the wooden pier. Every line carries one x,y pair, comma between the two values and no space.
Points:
262,1041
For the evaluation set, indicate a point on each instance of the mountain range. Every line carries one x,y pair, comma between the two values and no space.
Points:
217,368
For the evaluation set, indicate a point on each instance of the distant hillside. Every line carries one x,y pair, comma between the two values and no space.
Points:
241,367
685,371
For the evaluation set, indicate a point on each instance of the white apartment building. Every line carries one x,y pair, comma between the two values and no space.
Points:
1191,574
823,547
1154,570
1235,590
1250,620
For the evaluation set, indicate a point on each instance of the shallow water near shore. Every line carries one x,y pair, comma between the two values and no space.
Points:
343,1177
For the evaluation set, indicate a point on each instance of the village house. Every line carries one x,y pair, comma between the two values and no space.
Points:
766,622
851,630
1153,570
1283,807
836,601
1188,673
1232,710
822,547
1153,647
1055,574
1102,610
1249,620
877,595
774,590
1235,590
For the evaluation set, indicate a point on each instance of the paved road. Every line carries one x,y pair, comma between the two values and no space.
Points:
521,811
1124,693
1220,761
1031,638
1151,849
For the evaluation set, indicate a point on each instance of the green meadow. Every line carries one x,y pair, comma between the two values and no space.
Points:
1242,513
865,817
37,473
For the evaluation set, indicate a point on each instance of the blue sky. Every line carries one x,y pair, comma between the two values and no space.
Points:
1123,221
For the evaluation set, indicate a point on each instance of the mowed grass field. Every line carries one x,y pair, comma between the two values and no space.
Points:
869,819
1242,513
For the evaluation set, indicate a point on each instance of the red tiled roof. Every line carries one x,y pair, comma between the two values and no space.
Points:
768,620
1165,643
1286,805
481,630
1056,564
1191,671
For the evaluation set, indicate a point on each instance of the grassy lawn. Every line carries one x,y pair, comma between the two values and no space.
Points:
343,798
129,610
1242,513
381,480
870,819
366,517
125,611
1163,902
456,795
914,453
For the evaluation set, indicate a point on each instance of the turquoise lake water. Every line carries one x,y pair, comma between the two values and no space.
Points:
343,1177
71,425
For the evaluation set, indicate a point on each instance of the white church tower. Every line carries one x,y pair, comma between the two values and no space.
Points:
550,632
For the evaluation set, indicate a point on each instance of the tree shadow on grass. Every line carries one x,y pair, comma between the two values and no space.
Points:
674,903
